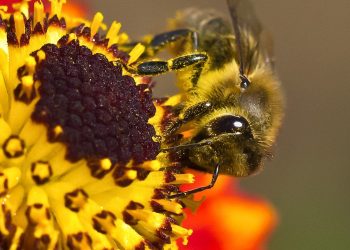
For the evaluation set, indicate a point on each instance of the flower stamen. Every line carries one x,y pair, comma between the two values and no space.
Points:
39,14
112,34
97,23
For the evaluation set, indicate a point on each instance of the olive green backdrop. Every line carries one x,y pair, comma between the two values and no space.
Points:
308,181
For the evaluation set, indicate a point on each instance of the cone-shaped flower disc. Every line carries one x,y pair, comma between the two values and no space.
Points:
78,151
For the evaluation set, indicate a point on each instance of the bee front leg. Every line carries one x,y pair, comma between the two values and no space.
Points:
189,115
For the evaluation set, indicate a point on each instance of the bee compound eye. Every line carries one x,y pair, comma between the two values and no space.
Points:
230,124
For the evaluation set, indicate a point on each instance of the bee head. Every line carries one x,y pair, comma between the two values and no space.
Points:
230,143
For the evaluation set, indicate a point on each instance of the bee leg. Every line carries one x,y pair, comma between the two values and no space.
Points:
196,60
160,41
174,64
189,115
196,190
152,68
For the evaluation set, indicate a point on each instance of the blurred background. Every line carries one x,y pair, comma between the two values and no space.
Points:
308,181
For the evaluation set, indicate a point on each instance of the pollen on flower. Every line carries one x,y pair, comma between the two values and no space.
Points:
79,163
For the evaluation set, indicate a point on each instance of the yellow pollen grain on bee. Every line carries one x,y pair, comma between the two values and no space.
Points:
170,206
19,25
135,53
96,23
183,179
106,164
38,13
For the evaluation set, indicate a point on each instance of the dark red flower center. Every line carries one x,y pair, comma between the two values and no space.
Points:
102,112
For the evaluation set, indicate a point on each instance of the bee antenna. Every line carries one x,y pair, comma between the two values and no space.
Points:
184,146
234,19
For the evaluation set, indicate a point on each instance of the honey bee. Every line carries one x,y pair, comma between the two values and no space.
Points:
230,104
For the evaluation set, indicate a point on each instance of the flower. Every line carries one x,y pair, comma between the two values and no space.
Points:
228,219
79,163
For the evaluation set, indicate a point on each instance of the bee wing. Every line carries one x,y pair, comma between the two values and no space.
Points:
252,42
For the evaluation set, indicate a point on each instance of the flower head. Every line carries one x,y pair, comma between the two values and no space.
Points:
79,163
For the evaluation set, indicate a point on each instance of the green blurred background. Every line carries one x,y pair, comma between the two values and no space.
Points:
308,179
